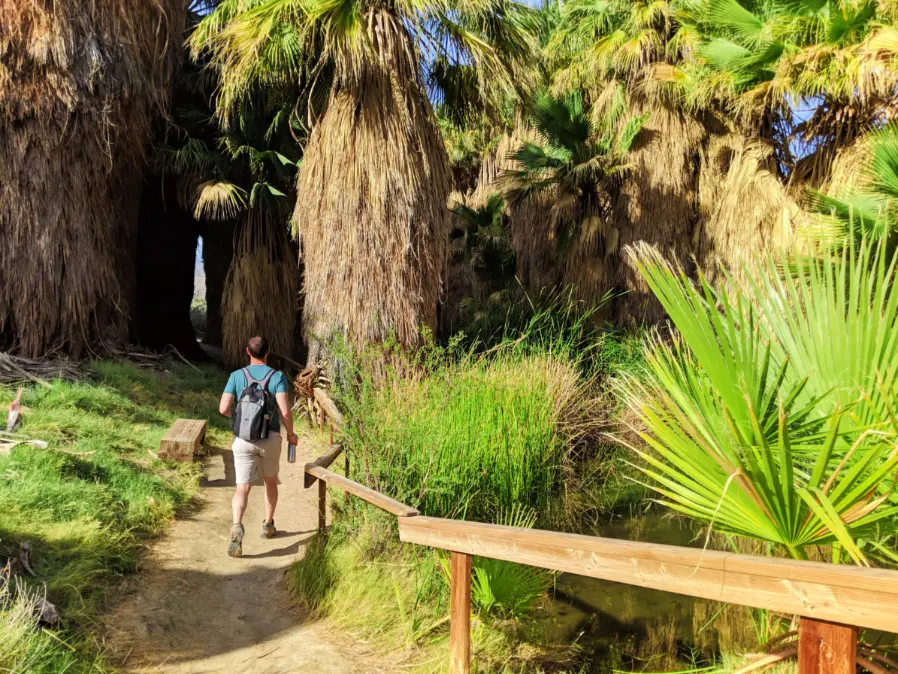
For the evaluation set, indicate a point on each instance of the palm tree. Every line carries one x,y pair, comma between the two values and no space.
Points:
242,172
481,235
755,60
701,189
481,262
80,84
580,166
371,212
611,50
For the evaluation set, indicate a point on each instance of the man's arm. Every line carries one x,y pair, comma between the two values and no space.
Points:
286,416
226,406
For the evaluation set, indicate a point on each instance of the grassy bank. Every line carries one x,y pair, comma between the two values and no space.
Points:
490,437
88,501
474,437
516,435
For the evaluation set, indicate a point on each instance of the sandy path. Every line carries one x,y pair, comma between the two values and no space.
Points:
196,610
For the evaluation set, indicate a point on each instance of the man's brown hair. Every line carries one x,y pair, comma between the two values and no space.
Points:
258,347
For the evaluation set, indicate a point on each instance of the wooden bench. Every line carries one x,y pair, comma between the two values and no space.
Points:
182,440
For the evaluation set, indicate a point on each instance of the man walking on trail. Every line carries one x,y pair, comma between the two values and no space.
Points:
256,390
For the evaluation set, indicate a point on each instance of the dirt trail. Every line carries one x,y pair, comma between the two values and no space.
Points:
196,610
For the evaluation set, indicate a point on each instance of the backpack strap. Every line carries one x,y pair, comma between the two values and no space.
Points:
263,382
267,379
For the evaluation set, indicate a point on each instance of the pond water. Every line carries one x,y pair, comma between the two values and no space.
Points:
639,629
629,628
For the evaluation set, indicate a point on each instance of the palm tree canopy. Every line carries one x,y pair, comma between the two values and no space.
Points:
576,157
470,54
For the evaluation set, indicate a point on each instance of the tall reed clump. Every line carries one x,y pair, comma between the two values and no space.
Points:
487,437
474,436
771,412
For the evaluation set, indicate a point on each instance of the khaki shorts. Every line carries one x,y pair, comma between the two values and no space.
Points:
254,460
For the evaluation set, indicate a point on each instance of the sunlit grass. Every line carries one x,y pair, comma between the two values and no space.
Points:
86,502
471,437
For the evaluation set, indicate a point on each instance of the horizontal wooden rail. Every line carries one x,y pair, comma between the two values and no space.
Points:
832,600
373,497
323,461
842,594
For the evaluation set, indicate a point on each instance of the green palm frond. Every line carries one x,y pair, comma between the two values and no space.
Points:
884,167
475,53
731,16
483,234
628,133
771,416
255,45
507,588
870,211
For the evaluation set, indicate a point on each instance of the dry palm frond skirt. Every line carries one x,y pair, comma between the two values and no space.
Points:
79,84
542,265
657,204
261,291
371,213
745,209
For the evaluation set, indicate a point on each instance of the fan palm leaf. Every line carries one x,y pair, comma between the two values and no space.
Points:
771,414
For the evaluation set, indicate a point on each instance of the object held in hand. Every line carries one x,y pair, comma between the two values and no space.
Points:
291,453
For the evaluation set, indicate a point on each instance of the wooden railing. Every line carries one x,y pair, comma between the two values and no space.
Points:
833,601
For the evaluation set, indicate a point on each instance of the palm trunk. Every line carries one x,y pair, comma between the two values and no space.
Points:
371,205
657,204
165,291
79,83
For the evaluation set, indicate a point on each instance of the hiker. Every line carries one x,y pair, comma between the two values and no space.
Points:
260,394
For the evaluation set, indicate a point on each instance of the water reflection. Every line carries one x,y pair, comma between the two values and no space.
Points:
633,628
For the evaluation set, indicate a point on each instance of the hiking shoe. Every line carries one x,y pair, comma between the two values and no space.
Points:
268,530
235,547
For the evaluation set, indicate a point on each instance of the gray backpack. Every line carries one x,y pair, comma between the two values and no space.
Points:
252,416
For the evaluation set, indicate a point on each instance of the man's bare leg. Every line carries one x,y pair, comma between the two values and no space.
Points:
238,507
238,503
271,502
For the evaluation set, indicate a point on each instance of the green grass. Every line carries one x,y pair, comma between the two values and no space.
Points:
396,598
88,500
472,437
488,437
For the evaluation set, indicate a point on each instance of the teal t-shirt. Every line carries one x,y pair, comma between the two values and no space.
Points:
277,384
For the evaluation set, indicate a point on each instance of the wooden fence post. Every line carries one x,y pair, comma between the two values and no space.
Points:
322,511
460,613
826,648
